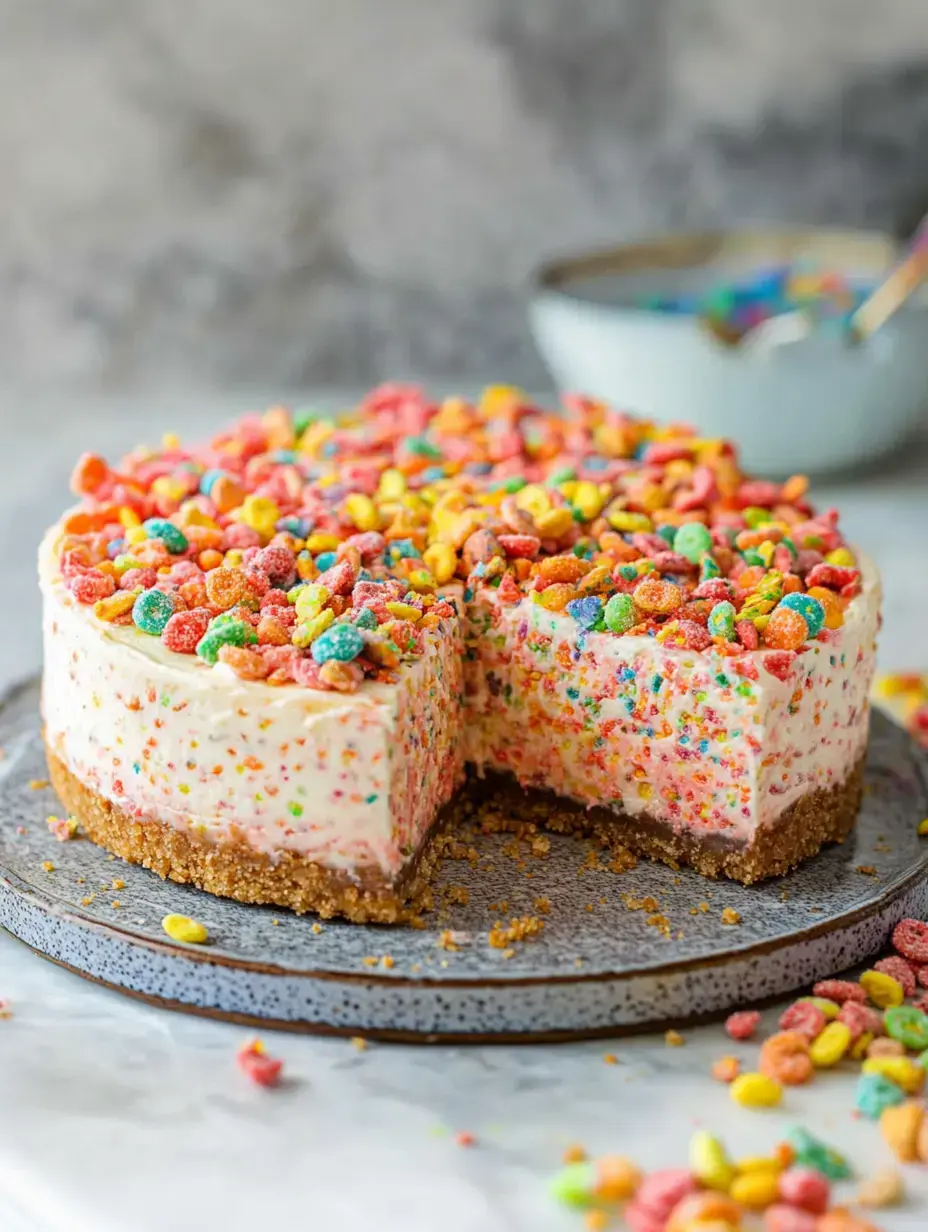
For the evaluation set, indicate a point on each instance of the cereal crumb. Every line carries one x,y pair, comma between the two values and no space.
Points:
48,866
520,929
5,1009
38,784
386,961
543,905
86,901
574,1154
610,1058
463,1138
316,928
117,884
730,916
596,1220
116,903
358,1043
673,1039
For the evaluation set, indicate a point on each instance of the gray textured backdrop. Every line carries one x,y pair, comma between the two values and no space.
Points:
283,191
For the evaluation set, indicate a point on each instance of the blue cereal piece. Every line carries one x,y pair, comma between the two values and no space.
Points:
809,608
173,539
342,642
209,478
152,610
325,560
586,611
874,1094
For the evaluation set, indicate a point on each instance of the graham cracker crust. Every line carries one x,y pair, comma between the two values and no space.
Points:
233,869
826,815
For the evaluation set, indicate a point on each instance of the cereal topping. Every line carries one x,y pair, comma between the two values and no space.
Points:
322,552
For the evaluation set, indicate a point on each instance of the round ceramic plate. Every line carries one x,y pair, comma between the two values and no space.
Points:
619,951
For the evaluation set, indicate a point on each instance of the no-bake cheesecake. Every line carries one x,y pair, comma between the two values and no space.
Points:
272,660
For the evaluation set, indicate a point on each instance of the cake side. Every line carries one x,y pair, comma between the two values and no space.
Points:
719,744
348,782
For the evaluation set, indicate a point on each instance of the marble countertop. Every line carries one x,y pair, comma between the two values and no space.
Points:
121,1118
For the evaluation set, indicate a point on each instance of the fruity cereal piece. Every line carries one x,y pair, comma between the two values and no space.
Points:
910,937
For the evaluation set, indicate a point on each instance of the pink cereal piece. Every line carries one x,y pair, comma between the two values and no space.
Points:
910,937
715,589
921,1003
639,1219
133,578
660,1191
860,1019
742,1025
238,535
273,598
804,1018
90,586
185,629
520,546
279,563
781,1218
370,544
900,970
806,1189
339,579
262,1069
921,976
747,635
779,663
840,991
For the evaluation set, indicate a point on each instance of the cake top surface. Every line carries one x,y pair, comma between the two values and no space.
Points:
299,548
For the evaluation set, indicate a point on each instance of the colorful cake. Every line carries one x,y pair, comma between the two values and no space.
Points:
272,661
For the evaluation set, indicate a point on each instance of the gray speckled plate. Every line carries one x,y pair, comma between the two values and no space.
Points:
597,968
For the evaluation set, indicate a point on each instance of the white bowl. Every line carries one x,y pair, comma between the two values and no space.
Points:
814,406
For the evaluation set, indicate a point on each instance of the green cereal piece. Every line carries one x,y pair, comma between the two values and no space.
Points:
366,619
574,1184
173,539
722,620
908,1025
811,1153
224,633
620,614
874,1094
692,540
152,610
708,567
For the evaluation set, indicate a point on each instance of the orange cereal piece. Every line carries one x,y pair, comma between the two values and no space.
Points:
834,608
272,632
246,664
901,1127
749,578
564,568
726,1069
555,598
226,494
209,559
794,489
710,1208
225,587
193,593
786,629
654,595
785,1057
89,474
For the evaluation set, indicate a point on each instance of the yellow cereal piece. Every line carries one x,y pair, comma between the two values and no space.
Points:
136,534
756,1091
903,1071
587,498
404,611
831,1009
421,581
233,558
362,511
625,522
496,398
192,515
830,1046
315,436
533,499
765,551
128,517
169,488
306,633
709,1162
260,513
923,828
116,605
441,560
758,1163
123,563
311,599
182,928
841,556
392,484
755,1190
860,1046
321,541
554,523
882,989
